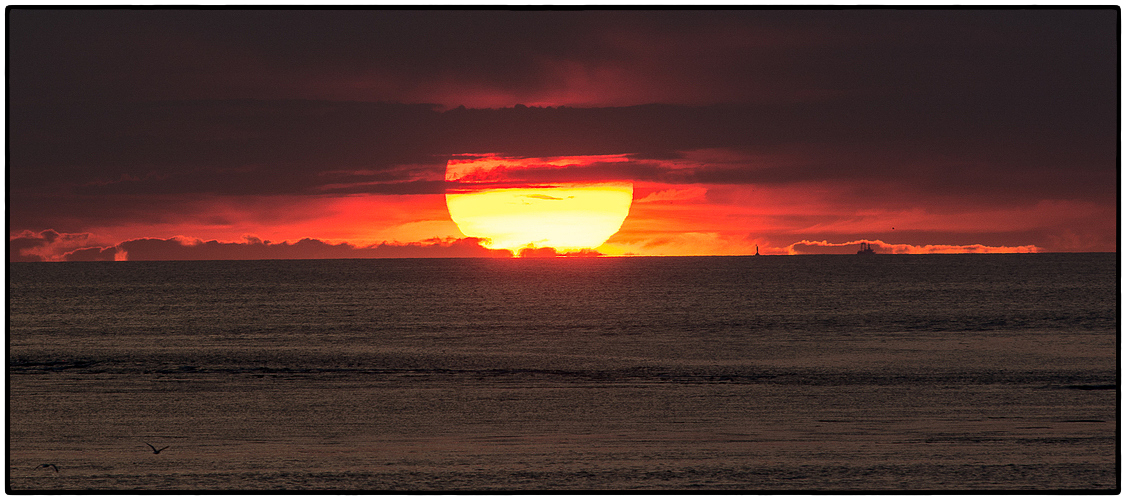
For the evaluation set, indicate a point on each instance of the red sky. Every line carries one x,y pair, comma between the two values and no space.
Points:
181,134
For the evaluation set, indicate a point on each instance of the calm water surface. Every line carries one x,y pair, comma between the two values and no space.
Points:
886,372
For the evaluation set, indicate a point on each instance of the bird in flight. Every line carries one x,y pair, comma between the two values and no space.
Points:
155,451
53,466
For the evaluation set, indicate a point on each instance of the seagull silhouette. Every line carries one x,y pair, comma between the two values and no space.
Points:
53,466
154,450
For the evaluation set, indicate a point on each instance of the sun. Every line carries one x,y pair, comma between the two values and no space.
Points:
491,197
568,217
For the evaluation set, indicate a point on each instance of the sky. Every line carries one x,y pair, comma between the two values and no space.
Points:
158,134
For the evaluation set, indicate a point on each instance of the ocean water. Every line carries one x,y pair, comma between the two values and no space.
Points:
769,373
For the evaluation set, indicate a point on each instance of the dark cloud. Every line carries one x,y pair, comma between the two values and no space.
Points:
266,147
687,57
29,246
118,155
18,247
222,147
282,53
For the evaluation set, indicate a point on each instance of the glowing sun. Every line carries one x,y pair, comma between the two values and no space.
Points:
513,204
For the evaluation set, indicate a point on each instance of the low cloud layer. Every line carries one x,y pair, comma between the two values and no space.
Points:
48,246
53,246
825,247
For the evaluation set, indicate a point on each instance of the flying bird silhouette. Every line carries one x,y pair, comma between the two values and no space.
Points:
44,466
154,450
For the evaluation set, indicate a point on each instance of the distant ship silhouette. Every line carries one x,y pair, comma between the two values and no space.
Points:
865,249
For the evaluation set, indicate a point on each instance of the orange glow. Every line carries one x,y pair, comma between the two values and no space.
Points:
568,216
521,202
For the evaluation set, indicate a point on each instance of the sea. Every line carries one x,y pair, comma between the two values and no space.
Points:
821,373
